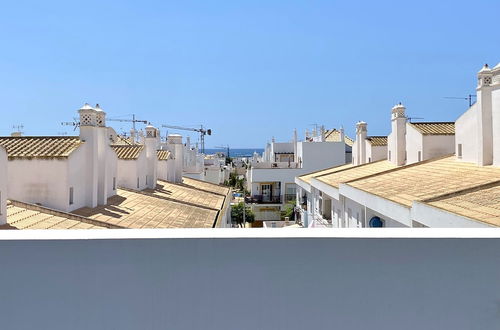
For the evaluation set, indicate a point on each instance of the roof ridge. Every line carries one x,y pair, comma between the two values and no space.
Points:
400,167
462,191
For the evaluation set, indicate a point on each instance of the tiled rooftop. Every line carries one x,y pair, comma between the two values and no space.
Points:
377,141
333,135
435,128
307,177
128,152
26,217
132,209
355,172
206,186
188,195
163,154
40,146
480,203
427,179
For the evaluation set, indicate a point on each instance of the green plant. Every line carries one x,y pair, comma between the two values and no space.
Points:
289,211
237,214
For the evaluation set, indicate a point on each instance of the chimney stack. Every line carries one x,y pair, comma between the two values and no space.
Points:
175,146
484,116
151,156
397,144
495,110
90,134
3,186
361,134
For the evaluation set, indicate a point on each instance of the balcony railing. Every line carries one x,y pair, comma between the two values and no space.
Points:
260,199
290,197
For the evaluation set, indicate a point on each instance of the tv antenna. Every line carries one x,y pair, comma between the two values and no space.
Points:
75,123
468,98
18,128
412,118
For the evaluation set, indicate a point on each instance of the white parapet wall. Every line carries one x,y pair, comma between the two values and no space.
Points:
251,279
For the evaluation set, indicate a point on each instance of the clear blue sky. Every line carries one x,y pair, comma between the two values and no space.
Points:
249,70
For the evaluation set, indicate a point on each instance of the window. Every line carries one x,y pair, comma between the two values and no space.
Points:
146,180
419,156
459,151
114,183
369,159
71,196
389,155
406,155
137,183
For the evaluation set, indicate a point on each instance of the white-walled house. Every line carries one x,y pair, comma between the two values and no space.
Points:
165,161
443,190
63,172
367,149
272,182
3,186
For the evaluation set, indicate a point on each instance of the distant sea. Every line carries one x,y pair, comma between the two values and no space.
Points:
236,152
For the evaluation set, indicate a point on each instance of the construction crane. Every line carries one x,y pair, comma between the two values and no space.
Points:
201,130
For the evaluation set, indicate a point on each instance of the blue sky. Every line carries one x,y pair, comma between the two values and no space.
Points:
249,70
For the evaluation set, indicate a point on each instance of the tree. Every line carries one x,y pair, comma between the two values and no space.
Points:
289,211
237,214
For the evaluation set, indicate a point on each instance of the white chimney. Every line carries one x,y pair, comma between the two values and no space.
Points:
495,109
484,116
295,145
342,134
151,156
361,133
174,142
89,133
3,186
323,133
397,143
104,182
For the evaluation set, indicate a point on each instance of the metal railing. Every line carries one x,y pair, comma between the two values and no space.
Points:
260,199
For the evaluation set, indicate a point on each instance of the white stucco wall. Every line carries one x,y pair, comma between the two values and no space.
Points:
43,181
466,134
377,153
438,145
319,155
495,104
3,186
78,179
414,144
130,170
300,282
163,169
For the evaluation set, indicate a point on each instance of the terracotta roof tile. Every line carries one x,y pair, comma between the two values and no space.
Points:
428,179
435,128
307,177
128,152
377,141
479,203
163,154
133,209
40,146
355,172
206,186
333,135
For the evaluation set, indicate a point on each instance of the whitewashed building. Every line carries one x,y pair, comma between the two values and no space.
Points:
421,184
271,182
3,186
63,173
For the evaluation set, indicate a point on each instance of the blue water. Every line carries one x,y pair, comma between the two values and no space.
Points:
236,152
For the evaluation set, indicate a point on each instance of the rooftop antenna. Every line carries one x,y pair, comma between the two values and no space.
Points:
133,121
412,118
75,123
468,98
18,129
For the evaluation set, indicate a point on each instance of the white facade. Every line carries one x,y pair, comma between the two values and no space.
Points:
271,182
474,141
174,143
478,129
132,173
3,186
367,149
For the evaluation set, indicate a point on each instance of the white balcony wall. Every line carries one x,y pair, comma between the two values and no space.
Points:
223,282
